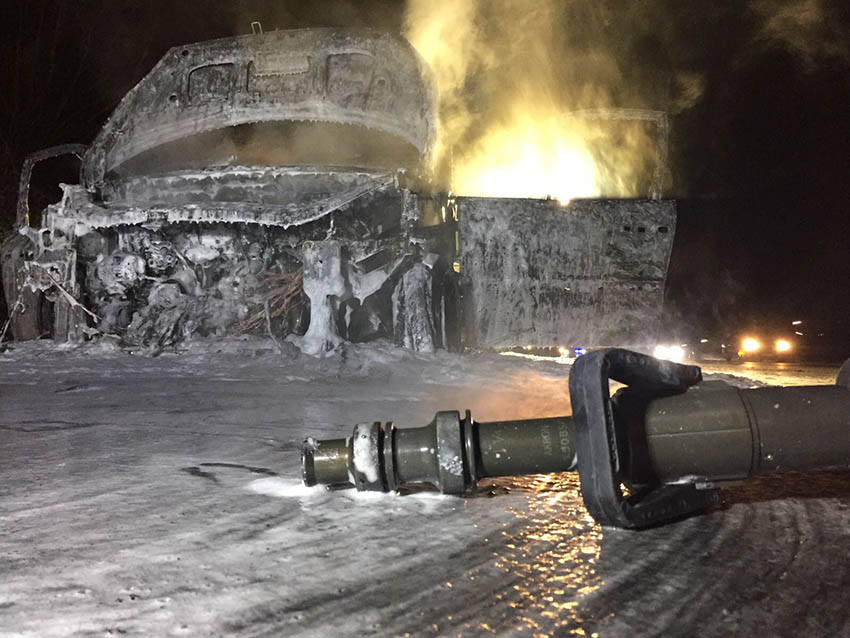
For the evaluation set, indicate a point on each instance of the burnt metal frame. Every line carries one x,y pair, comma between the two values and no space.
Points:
22,209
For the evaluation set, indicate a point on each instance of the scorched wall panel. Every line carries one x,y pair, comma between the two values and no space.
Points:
590,273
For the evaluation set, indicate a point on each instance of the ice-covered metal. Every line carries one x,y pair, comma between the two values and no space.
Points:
277,182
266,196
538,273
360,77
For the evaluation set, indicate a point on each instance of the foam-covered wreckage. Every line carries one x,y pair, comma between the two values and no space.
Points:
264,175
275,183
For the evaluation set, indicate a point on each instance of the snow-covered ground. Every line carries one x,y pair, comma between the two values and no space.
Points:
162,496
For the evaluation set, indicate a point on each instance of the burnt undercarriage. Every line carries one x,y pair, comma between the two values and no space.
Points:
350,265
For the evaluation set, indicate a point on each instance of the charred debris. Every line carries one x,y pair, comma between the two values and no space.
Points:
275,183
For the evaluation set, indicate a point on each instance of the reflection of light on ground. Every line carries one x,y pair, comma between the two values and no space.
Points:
564,360
551,560
519,395
776,372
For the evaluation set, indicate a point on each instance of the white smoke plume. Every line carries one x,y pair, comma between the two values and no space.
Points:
511,78
814,30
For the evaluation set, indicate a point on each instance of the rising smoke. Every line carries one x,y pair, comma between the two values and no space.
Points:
512,73
813,30
511,77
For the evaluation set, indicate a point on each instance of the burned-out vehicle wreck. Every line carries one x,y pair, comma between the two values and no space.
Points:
274,183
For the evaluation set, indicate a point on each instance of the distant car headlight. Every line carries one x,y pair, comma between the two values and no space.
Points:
750,344
670,353
782,345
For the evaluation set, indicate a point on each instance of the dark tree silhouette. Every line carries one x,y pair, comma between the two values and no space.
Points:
65,67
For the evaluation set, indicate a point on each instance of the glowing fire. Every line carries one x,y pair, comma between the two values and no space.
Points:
514,120
530,159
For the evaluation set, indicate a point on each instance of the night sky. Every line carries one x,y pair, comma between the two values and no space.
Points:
760,162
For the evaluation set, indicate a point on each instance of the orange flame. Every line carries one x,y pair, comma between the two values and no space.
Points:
505,107
530,158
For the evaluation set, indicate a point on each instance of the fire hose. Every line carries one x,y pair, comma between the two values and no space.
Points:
658,450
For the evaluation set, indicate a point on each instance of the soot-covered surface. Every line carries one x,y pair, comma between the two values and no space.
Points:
161,497
588,273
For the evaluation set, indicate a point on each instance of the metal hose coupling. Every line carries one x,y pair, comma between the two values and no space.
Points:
667,437
451,453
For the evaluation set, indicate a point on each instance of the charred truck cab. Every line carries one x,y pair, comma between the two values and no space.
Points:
275,183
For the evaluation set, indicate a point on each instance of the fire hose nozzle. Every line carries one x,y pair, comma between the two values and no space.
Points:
450,453
666,436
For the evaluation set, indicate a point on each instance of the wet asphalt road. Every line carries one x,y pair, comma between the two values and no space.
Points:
161,497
